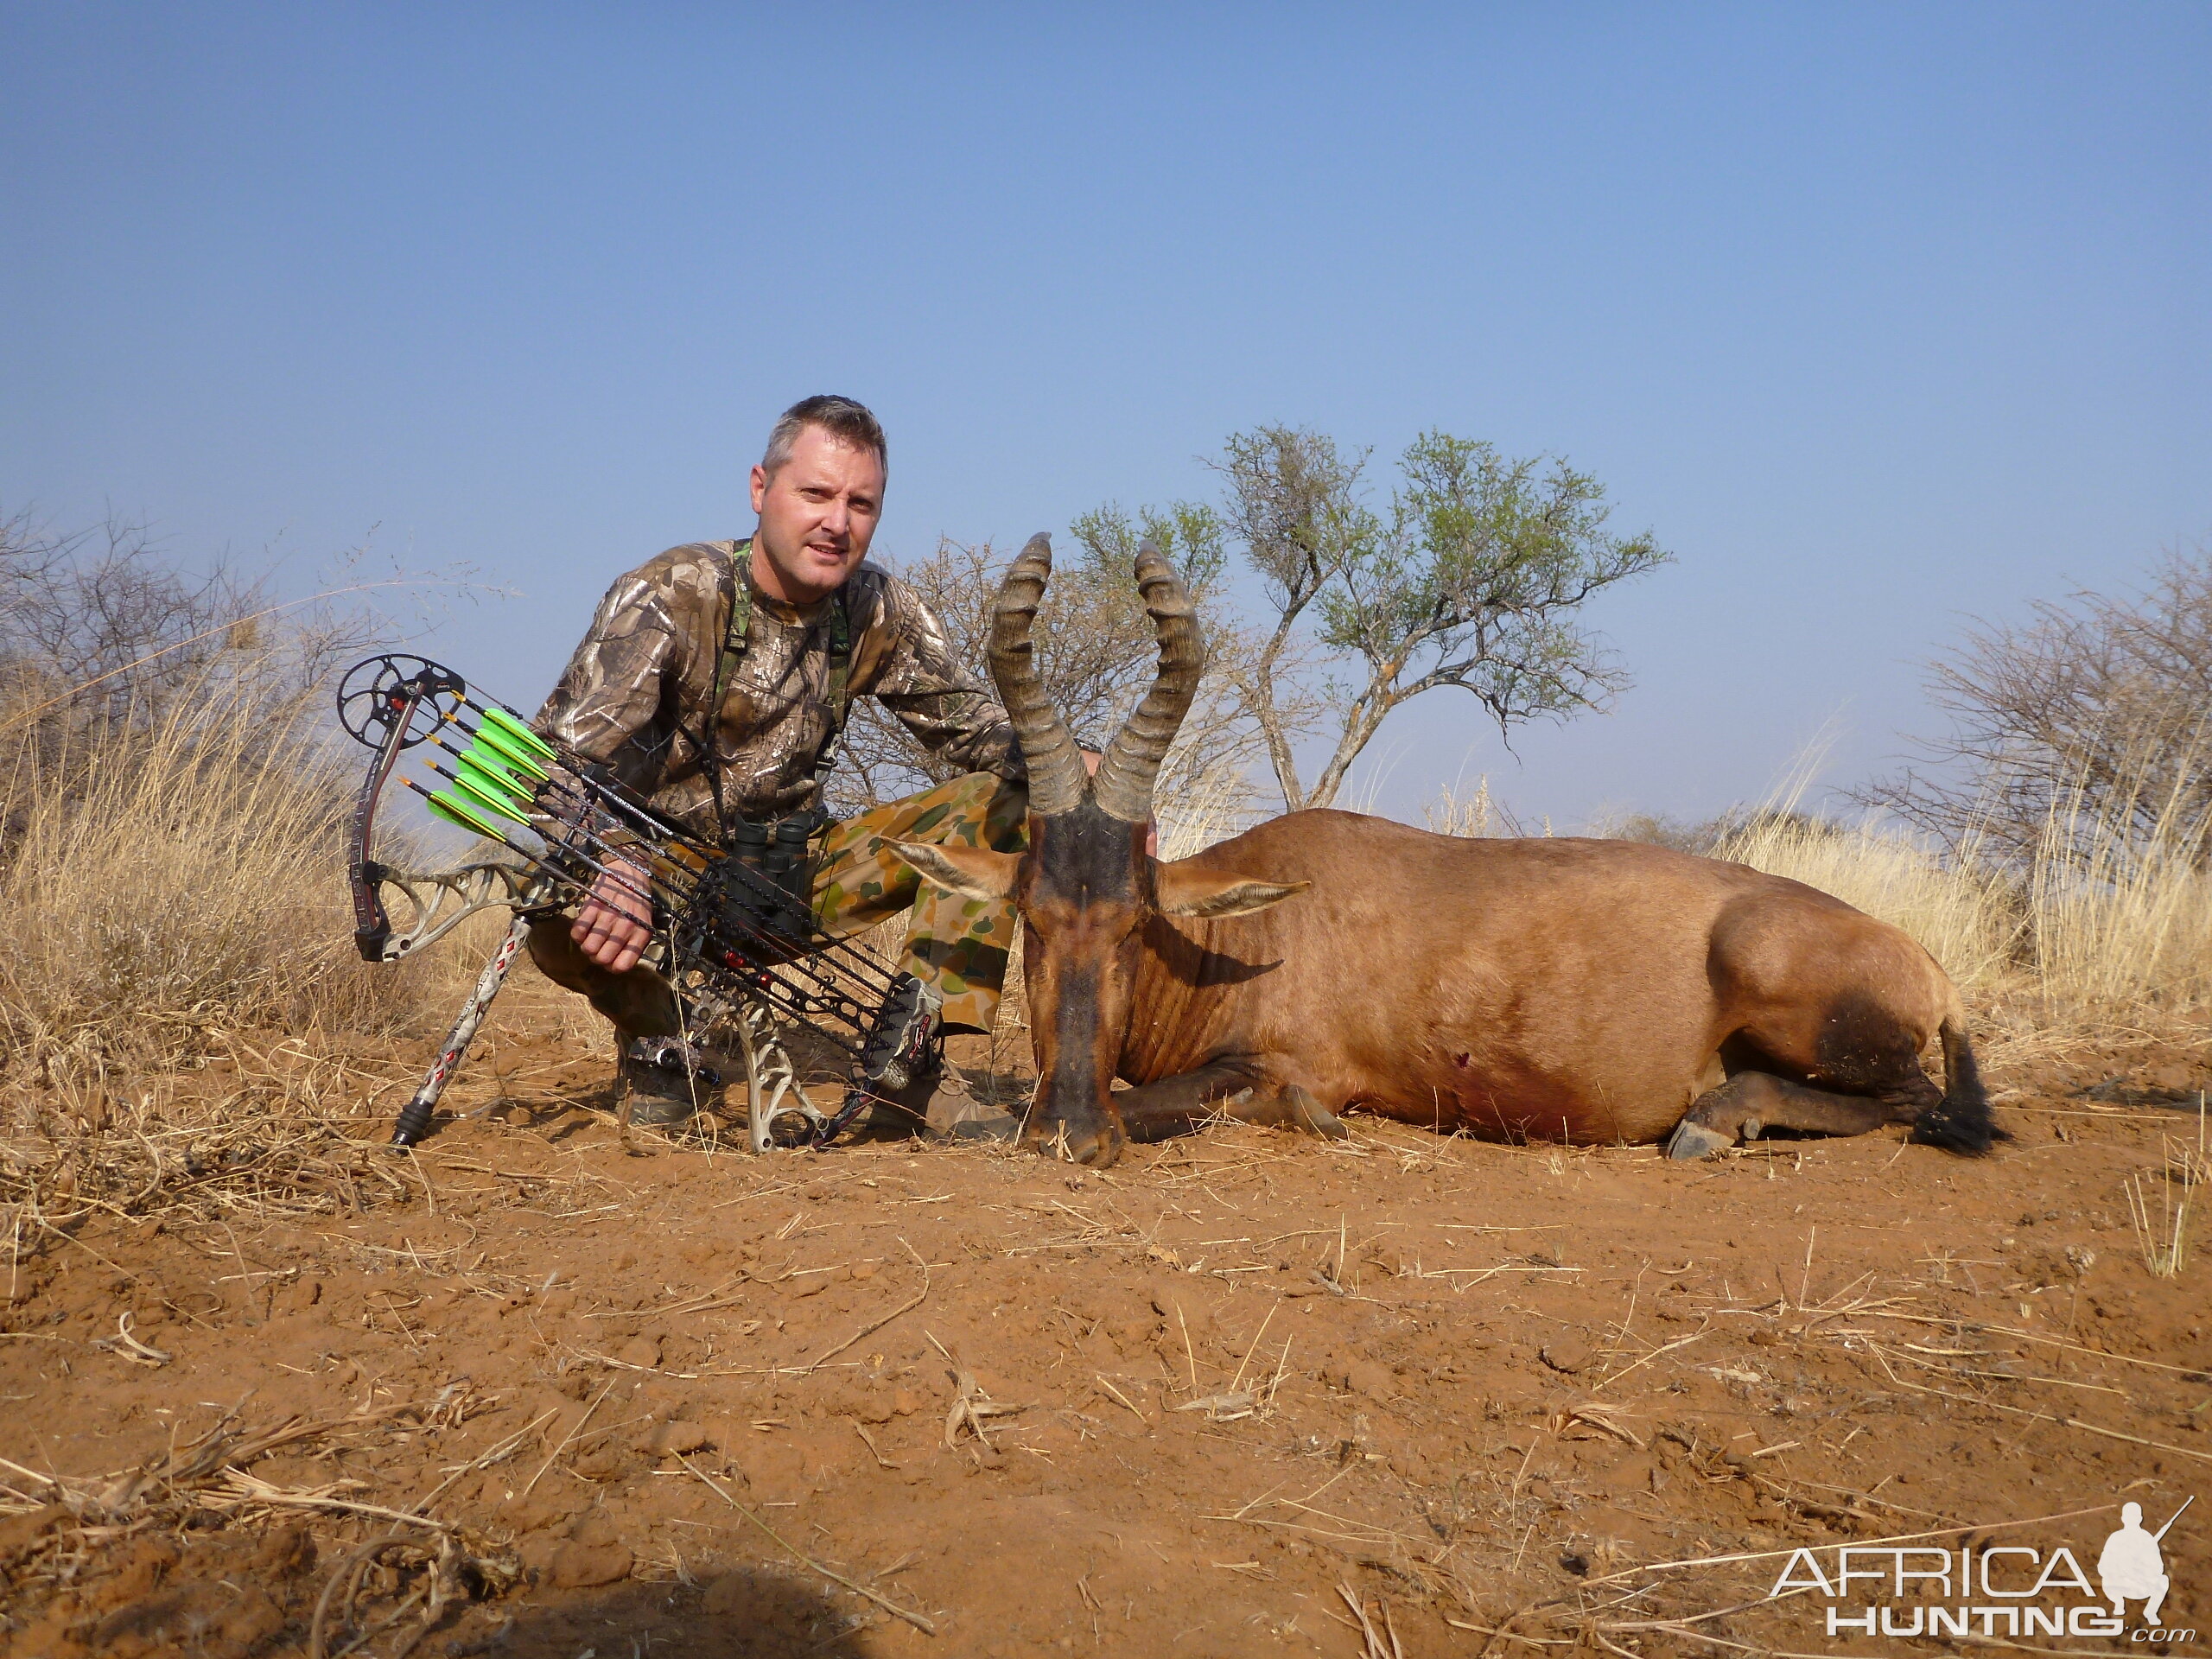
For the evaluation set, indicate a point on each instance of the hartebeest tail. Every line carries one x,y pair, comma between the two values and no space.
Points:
1960,1122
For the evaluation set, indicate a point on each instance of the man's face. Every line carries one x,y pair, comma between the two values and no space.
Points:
817,514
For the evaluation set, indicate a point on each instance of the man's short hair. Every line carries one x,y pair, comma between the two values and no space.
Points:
842,417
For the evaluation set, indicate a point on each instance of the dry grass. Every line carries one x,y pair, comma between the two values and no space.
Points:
2159,1214
168,879
2159,1201
1213,805
181,1005
2122,903
1475,814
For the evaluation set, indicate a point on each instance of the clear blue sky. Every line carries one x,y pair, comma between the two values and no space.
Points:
1875,315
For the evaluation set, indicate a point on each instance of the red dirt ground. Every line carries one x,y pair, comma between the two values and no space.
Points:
1235,1396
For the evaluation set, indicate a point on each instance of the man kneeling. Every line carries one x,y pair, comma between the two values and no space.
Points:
713,682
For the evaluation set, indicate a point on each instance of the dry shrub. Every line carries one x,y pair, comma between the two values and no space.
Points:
171,804
182,1015
182,875
2093,708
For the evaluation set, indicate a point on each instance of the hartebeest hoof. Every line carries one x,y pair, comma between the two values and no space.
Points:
1096,1146
1310,1117
1695,1141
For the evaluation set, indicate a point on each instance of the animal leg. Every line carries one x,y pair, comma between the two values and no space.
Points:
1172,1106
1294,1108
1752,1101
1855,1045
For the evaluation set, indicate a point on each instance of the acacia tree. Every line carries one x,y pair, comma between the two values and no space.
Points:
1474,579
1206,772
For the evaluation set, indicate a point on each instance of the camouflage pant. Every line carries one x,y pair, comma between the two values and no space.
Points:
958,946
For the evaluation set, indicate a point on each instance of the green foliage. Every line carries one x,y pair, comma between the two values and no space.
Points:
1294,504
1475,577
1189,533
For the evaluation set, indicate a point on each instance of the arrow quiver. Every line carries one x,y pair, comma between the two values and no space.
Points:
736,935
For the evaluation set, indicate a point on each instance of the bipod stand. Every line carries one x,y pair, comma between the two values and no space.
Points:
414,1118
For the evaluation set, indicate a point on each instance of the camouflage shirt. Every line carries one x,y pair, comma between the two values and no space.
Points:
634,696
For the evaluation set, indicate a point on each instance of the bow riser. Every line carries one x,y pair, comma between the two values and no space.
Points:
438,901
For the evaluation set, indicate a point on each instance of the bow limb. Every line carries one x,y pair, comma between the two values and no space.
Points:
372,922
437,901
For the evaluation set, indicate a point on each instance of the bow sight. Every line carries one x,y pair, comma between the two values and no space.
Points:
737,938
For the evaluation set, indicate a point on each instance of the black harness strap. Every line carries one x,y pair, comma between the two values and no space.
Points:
737,596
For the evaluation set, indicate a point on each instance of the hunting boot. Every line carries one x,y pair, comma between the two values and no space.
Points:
902,1068
939,1103
665,1082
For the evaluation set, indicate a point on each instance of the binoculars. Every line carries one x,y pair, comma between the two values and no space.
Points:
774,852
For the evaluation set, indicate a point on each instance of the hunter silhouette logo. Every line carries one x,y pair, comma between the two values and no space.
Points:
2131,1568
2012,1589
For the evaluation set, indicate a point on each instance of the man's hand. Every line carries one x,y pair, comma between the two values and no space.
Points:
611,926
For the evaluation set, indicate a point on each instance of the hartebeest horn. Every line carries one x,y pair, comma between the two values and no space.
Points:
1123,786
1056,778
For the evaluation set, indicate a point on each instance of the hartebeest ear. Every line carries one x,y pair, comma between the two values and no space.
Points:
971,871
1187,892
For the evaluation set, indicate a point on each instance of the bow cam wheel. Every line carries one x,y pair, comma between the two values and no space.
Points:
375,693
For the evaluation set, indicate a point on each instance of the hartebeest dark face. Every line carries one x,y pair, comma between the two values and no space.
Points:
1085,885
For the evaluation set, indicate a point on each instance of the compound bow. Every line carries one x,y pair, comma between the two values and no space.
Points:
743,952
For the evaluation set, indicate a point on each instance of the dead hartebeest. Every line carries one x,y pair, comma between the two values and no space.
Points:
1557,988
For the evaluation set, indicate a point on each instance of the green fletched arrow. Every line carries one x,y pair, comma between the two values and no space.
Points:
509,755
494,782
495,764
504,732
454,813
486,794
